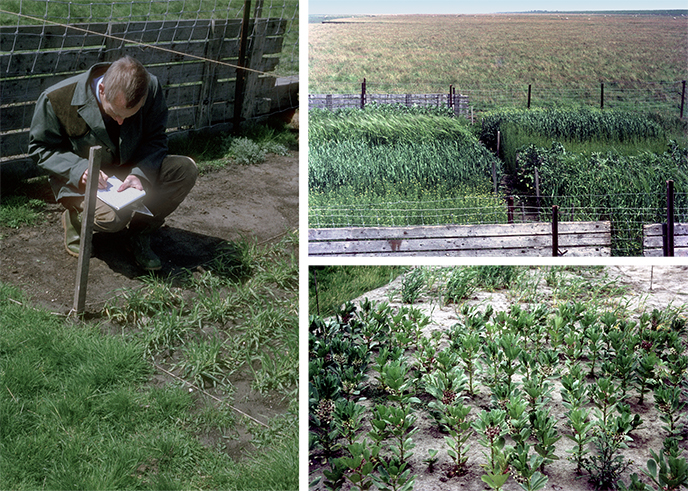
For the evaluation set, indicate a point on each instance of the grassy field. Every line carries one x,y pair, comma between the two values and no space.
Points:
428,53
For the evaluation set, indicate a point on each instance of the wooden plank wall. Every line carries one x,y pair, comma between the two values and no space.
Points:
653,240
336,101
199,93
506,240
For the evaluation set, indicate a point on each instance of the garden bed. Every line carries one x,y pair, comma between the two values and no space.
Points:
550,314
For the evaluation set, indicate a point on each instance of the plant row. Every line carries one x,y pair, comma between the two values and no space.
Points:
375,370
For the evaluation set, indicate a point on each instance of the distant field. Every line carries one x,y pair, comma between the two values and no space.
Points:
427,53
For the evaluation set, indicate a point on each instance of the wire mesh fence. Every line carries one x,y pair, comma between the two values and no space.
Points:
627,221
218,61
666,97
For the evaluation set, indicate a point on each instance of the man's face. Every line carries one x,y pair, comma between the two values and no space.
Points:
116,108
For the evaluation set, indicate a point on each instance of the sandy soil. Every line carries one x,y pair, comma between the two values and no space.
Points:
258,201
649,287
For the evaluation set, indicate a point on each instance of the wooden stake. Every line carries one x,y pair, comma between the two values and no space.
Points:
85,246
555,231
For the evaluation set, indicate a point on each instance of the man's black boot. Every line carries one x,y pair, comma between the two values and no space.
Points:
139,240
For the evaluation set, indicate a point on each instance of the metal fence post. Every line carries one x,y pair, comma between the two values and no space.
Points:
529,88
363,93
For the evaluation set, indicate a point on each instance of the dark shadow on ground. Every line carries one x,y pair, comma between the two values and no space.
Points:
179,250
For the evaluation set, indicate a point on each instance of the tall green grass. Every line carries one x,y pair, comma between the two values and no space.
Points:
627,190
329,287
385,155
581,130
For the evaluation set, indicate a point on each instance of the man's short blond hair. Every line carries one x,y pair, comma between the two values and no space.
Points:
126,76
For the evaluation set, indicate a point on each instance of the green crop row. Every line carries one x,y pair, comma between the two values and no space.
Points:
581,130
384,155
517,382
385,124
627,190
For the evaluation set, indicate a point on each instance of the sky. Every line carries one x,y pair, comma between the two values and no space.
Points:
482,7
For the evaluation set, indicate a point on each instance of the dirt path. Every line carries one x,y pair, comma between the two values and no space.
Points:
259,201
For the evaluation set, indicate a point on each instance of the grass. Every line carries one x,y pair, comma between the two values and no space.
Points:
250,146
377,160
419,54
330,287
78,409
81,400
18,211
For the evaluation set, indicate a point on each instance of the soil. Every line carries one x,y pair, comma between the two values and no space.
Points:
258,202
649,287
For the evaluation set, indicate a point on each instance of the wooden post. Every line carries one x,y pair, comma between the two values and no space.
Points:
494,175
683,97
602,95
529,88
363,93
538,202
241,63
87,230
510,209
499,141
670,219
555,231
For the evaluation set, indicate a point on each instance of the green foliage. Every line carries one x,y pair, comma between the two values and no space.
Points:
391,155
607,464
412,285
331,286
667,471
17,211
628,191
577,129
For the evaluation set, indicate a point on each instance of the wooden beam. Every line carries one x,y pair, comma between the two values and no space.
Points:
85,247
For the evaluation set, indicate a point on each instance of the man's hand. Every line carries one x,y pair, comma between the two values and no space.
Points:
102,179
131,182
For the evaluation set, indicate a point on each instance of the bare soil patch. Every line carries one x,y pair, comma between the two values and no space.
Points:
258,201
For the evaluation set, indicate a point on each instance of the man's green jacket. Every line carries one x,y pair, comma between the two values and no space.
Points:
67,122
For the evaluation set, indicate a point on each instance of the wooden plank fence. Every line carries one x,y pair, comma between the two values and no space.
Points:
505,240
338,101
199,92
655,240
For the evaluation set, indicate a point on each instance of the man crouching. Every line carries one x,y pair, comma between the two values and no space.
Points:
121,107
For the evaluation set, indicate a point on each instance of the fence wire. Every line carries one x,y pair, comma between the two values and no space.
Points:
45,41
658,96
626,221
